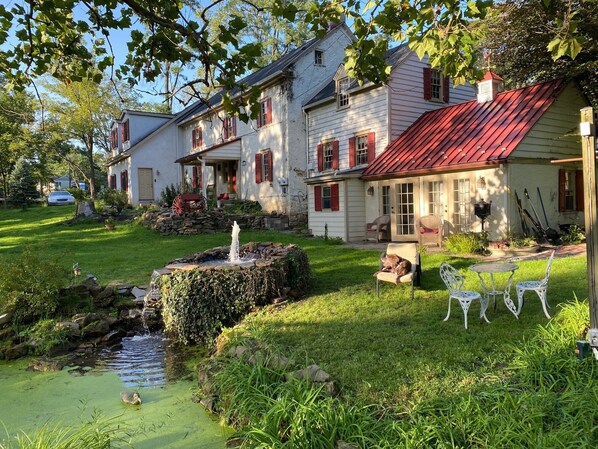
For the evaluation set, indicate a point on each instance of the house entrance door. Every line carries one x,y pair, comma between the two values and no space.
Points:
402,211
145,178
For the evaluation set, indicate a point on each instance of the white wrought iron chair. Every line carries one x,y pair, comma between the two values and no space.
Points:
454,282
540,287
407,251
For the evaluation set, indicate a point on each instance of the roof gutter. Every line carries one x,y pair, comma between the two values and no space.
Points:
434,170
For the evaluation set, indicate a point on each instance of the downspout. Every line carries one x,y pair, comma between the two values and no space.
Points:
307,162
345,203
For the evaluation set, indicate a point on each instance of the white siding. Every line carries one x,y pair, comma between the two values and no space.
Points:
319,221
367,113
407,95
355,216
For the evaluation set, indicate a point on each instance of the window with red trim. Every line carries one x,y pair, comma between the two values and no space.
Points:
328,155
264,166
114,138
197,137
436,86
124,180
112,182
126,131
229,127
326,197
571,190
265,114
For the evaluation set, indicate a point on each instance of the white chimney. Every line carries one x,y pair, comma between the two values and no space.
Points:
490,86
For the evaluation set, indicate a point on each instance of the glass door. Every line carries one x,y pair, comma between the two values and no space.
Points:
403,211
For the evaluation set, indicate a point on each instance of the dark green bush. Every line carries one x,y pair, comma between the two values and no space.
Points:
80,195
45,336
573,235
115,199
29,285
168,195
243,207
199,303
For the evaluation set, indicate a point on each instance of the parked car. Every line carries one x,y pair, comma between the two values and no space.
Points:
59,197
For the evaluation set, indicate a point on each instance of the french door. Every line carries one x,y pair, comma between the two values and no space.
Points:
402,197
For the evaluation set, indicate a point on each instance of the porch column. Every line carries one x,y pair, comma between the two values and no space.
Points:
204,184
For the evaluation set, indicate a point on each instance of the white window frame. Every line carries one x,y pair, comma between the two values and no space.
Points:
326,197
436,85
327,156
319,57
361,149
342,97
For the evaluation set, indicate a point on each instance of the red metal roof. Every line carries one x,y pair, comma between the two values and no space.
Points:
465,135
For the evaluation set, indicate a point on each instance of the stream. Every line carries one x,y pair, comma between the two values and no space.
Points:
166,419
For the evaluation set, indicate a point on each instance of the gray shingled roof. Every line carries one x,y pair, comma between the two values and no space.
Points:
253,79
394,56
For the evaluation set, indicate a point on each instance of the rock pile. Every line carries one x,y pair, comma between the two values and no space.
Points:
166,222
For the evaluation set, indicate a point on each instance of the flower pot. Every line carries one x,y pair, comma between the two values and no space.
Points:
110,227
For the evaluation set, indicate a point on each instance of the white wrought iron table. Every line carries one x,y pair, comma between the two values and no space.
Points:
491,290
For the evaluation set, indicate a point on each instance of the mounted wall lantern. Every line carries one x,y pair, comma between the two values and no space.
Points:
481,209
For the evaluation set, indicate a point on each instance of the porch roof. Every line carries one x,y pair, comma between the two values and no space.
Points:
229,150
466,135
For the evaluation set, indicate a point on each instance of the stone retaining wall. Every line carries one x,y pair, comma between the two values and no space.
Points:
198,222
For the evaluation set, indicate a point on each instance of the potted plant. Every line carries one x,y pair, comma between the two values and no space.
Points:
109,223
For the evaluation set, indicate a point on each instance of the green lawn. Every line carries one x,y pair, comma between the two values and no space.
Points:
390,351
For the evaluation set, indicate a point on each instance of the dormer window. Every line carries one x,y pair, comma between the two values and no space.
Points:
319,57
125,131
229,127
342,96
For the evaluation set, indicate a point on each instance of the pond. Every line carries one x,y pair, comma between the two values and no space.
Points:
167,418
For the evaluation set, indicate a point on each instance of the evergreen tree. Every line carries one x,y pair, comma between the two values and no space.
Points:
21,185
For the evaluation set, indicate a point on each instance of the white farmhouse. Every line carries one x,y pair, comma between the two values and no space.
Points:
263,160
350,125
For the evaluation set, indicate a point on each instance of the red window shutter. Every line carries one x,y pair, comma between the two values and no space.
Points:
320,157
579,200
225,127
234,126
194,178
335,155
427,83
268,111
318,198
193,137
561,190
270,166
351,152
371,147
126,131
334,206
200,177
258,168
445,89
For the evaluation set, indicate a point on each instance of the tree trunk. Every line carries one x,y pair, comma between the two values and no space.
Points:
85,208
92,175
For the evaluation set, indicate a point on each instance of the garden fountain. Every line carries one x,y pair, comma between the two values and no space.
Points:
233,255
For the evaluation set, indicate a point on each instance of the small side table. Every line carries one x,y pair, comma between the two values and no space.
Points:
492,268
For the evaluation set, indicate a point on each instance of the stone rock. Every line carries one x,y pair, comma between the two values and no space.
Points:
17,351
96,329
113,337
209,403
5,318
83,319
74,330
130,397
45,365
104,298
7,333
130,314
238,351
137,292
312,373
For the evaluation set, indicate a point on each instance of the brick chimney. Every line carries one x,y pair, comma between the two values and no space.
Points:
490,86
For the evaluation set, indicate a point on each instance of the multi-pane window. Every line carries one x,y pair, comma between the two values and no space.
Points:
326,197
569,189
405,208
436,84
229,127
361,149
386,200
461,205
264,116
327,156
125,131
318,57
436,198
266,165
342,97
196,137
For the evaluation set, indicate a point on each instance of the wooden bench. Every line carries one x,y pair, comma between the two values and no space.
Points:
188,202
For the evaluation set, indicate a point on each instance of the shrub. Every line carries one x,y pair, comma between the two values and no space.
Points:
199,303
80,195
168,195
115,199
467,243
243,207
573,235
29,285
21,184
45,335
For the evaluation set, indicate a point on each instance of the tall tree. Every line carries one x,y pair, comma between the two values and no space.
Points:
81,112
518,34
16,113
22,187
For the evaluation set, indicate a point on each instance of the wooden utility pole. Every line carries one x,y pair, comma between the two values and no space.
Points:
588,144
